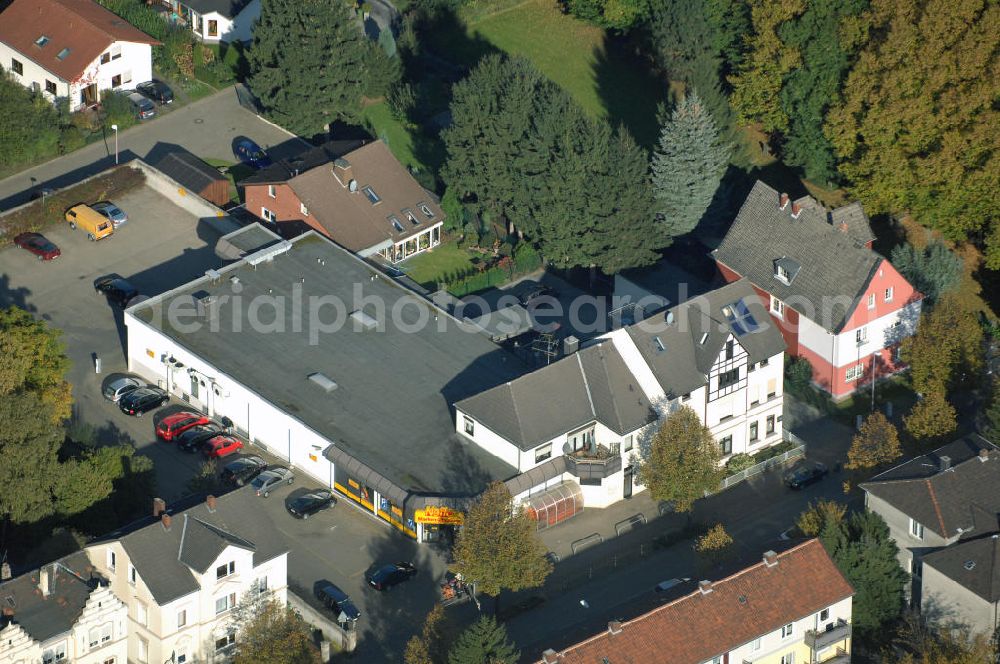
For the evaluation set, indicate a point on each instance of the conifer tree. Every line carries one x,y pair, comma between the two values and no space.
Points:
484,642
307,63
687,166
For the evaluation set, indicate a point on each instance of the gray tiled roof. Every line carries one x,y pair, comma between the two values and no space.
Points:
164,558
189,170
856,221
592,384
949,502
973,564
834,263
686,360
227,8
71,580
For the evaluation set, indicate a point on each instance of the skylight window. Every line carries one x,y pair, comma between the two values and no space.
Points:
41,41
741,321
410,217
426,209
394,220
63,54
658,344
371,195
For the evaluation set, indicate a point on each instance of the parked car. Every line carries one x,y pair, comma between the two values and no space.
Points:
143,107
114,213
536,293
37,244
192,439
337,601
220,446
387,576
267,481
142,400
251,154
86,218
116,288
664,586
311,503
119,387
241,471
157,91
803,477
172,426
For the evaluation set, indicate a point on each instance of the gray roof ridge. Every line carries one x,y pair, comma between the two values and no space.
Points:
226,535
513,403
586,385
607,376
876,265
180,548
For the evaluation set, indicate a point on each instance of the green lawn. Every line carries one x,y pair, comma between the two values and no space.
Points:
428,268
599,74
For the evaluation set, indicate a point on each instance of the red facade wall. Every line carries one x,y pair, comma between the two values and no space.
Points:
885,277
285,204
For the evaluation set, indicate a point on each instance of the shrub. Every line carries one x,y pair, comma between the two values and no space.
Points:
402,101
798,373
116,109
739,462
819,515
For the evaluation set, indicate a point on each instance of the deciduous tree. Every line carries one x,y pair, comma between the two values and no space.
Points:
866,556
498,548
428,646
949,339
687,166
308,64
29,465
683,461
613,14
932,417
820,515
484,642
915,126
875,444
757,83
991,416
33,359
274,633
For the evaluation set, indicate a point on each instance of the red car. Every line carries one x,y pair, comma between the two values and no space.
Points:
174,425
221,446
37,244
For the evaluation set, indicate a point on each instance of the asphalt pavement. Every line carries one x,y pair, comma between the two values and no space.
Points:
206,128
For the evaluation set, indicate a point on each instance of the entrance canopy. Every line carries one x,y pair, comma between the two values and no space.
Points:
556,504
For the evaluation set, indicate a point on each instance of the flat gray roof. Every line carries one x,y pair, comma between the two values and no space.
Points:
391,408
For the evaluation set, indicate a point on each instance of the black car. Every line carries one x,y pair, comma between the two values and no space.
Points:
337,601
192,439
803,477
158,91
387,576
116,288
142,400
243,470
536,294
310,503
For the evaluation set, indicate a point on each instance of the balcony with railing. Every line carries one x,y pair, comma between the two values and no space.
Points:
840,657
819,639
598,461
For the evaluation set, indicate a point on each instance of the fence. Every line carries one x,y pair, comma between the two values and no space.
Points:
795,453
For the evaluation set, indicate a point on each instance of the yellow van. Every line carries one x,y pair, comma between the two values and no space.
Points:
85,217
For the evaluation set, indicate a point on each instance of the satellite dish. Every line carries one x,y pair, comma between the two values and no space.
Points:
670,318
353,185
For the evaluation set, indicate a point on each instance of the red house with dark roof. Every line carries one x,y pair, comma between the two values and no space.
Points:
839,304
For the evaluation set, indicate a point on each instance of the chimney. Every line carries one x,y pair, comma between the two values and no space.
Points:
165,520
796,210
550,656
4,571
8,615
984,455
705,587
342,171
783,202
615,627
210,502
842,227
770,558
570,345
159,507
44,582
944,463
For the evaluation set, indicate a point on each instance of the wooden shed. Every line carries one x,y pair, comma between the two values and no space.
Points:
197,176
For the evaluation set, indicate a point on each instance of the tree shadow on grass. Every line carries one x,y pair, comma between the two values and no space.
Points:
629,89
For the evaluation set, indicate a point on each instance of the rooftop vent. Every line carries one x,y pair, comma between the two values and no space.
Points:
944,463
550,656
742,599
705,587
213,275
323,381
970,565
984,455
770,558
268,253
363,320
615,627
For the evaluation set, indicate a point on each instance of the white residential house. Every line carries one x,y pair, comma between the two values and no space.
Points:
62,612
576,428
181,575
72,48
218,20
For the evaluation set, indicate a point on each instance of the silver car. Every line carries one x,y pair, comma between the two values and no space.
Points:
267,481
114,213
119,387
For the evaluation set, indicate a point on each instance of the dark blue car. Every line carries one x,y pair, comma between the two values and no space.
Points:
251,154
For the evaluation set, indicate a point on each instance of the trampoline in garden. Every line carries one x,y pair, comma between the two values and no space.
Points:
556,504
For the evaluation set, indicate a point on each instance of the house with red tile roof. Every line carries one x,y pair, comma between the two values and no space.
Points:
73,49
792,607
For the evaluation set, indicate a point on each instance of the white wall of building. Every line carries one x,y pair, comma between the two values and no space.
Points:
32,72
842,349
240,28
770,647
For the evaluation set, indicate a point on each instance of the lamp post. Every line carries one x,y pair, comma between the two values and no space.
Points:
875,357
115,127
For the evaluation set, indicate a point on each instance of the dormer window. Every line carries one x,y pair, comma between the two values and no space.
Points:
426,209
410,217
785,270
371,195
41,41
222,571
394,220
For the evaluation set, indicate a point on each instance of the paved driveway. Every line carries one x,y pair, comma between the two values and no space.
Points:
205,128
